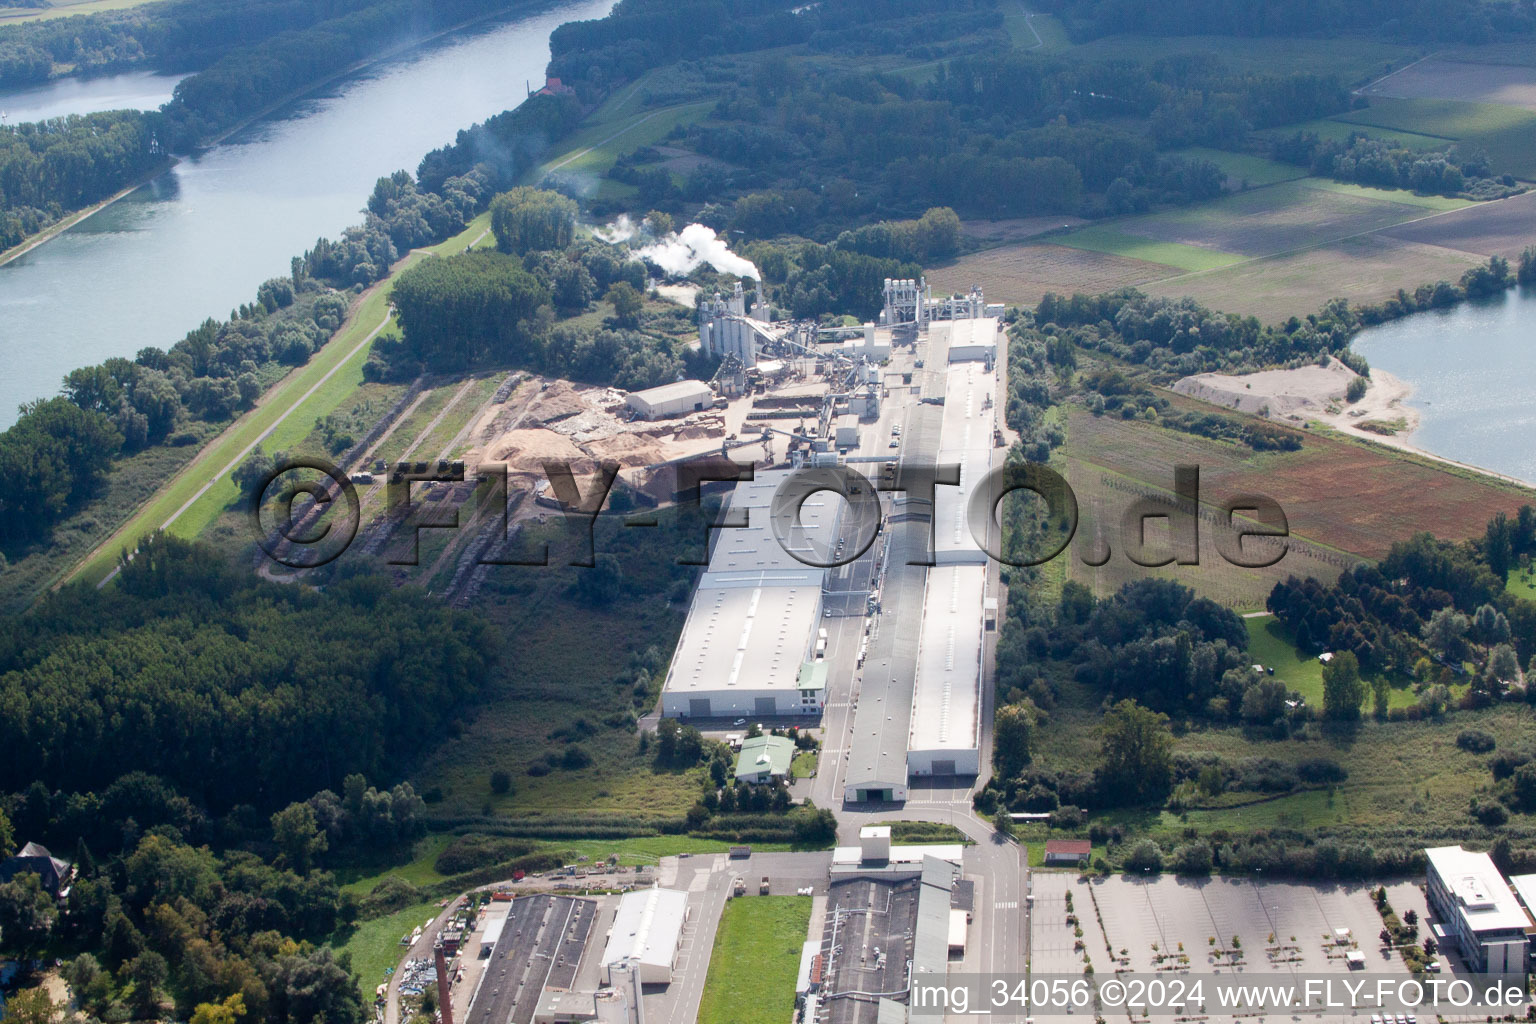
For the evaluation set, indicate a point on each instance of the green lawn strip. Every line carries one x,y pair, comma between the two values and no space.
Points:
1176,255
594,149
1400,196
1270,644
375,945
1521,586
752,968
804,764
244,432
336,390
418,871
1245,167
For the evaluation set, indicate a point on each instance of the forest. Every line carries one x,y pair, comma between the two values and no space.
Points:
213,657
1435,21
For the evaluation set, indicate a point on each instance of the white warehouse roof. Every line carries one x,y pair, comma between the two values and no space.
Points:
1480,890
647,928
745,638
946,701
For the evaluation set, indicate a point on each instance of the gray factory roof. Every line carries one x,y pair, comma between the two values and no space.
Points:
755,550
877,756
930,940
947,695
678,389
757,606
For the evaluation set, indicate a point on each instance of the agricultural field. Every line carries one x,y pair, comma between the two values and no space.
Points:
1366,268
1354,60
1502,228
1508,134
1330,129
62,9
1436,78
1260,222
1345,495
752,968
1023,273
1244,170
1137,239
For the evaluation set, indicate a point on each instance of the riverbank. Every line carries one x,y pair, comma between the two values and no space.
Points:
387,54
1316,395
63,224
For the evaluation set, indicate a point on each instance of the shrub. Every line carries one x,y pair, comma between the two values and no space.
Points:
1475,741
1144,856
501,782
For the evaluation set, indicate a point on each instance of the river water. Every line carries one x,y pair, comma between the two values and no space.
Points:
1473,371
196,241
133,90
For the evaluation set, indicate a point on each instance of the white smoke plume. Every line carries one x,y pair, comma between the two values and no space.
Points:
621,230
681,253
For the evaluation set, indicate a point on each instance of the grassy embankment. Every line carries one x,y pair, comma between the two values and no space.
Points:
752,969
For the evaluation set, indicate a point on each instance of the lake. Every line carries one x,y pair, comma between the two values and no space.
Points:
196,241
1473,371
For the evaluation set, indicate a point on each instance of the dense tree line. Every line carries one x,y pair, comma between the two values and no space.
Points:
1470,21
234,690
466,310
173,36
51,167
1366,161
51,459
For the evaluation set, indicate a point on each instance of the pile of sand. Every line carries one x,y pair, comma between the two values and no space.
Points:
1297,395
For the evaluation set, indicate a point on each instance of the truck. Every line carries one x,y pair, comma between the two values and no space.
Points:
739,886
762,889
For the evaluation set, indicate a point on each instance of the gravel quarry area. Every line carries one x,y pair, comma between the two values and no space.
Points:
1314,392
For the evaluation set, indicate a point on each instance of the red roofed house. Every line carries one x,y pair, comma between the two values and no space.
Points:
1067,852
554,87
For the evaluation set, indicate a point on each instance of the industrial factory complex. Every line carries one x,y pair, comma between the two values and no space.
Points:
917,389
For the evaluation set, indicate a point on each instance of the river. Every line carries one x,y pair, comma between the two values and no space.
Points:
197,240
1473,372
132,90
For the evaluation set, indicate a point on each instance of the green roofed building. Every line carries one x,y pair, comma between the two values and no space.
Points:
764,759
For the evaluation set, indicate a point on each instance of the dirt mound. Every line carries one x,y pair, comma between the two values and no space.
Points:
1302,393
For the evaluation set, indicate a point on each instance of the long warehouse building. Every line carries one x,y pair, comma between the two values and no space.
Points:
945,735
754,621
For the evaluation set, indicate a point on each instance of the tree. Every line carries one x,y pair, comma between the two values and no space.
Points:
1343,689
501,782
33,1006
298,836
148,972
228,1012
627,303
26,915
527,219
1446,631
1011,732
1002,822
1145,856
1135,755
